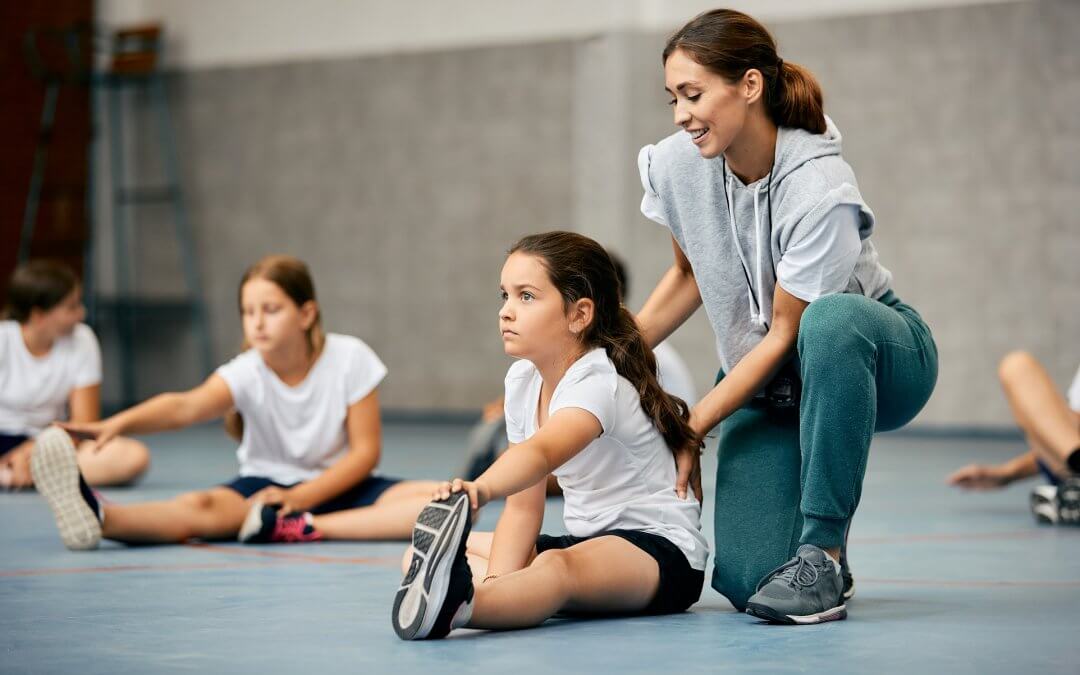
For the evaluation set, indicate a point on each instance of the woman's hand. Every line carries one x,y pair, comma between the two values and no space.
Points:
285,499
478,492
981,477
100,432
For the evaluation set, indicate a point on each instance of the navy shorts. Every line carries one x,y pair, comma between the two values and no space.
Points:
10,442
362,494
680,585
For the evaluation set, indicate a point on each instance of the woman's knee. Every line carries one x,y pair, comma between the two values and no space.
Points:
829,323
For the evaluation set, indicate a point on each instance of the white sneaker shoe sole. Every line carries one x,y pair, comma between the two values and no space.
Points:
56,477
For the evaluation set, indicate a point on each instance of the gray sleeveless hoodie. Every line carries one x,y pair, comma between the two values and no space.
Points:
735,260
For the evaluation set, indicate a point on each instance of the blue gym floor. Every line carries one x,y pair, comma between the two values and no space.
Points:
946,582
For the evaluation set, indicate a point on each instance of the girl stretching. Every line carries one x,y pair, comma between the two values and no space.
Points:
310,443
583,403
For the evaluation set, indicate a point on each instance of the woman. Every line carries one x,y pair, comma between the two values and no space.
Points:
817,353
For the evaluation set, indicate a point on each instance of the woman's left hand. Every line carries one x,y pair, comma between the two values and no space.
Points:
477,491
284,498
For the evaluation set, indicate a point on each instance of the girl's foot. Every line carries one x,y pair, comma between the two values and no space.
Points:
263,525
56,476
436,594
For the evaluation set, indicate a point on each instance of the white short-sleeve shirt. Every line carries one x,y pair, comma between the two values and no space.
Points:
34,391
1074,392
292,434
625,478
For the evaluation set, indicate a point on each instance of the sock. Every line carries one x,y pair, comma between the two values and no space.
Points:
91,499
1073,461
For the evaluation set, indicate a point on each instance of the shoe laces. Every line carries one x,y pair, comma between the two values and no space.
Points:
796,573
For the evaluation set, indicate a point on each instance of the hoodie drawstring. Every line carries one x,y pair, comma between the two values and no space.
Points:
757,315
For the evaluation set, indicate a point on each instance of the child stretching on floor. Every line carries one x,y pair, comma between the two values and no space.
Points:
583,403
50,369
311,437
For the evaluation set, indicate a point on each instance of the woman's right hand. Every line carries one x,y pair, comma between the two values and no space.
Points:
980,477
100,432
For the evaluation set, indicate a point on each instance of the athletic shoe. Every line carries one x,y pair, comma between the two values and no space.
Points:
437,592
1057,504
1044,504
804,590
56,477
263,525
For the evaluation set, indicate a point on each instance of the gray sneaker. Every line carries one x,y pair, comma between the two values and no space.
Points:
1057,504
848,588
804,590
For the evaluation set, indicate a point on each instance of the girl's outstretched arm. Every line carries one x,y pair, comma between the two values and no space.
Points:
565,434
515,534
364,430
163,412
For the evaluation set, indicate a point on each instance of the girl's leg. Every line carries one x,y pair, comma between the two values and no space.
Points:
120,462
390,517
602,575
1040,410
216,513
866,366
477,552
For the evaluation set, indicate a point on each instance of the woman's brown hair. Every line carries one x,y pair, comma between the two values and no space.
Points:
291,275
581,268
729,43
38,284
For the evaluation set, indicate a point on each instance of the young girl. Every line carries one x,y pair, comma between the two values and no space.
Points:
583,403
771,235
311,435
50,363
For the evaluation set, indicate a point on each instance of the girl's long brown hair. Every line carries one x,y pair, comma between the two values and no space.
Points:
729,43
581,268
291,275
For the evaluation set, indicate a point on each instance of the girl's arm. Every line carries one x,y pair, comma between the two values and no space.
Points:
675,298
990,477
84,404
565,434
364,430
517,529
209,400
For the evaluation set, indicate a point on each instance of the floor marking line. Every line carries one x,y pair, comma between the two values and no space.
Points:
956,583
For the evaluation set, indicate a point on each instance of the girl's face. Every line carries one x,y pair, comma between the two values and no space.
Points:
61,319
534,323
272,321
706,105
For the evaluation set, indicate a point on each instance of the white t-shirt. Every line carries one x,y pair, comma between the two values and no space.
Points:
292,434
34,390
625,478
674,374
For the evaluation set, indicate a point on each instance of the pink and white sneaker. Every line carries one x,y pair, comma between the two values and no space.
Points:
263,525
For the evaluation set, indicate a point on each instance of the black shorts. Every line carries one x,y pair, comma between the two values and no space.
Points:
362,494
9,442
680,585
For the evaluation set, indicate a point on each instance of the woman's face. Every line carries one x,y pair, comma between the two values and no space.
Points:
271,320
706,105
533,320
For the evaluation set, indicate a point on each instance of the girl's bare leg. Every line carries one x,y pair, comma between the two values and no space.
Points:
602,575
391,516
1040,410
216,513
119,462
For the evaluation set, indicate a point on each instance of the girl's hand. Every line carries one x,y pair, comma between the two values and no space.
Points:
688,470
478,492
283,498
100,432
980,477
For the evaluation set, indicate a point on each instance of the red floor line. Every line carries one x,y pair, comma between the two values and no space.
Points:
954,583
299,557
136,568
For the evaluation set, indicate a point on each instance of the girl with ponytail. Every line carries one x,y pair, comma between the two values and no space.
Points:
583,403
771,235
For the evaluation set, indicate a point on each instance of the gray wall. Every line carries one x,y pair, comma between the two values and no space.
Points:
401,179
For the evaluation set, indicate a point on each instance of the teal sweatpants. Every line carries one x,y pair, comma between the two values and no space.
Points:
794,476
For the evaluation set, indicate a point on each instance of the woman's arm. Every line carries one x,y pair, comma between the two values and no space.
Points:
84,404
517,529
209,400
675,298
364,430
757,368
